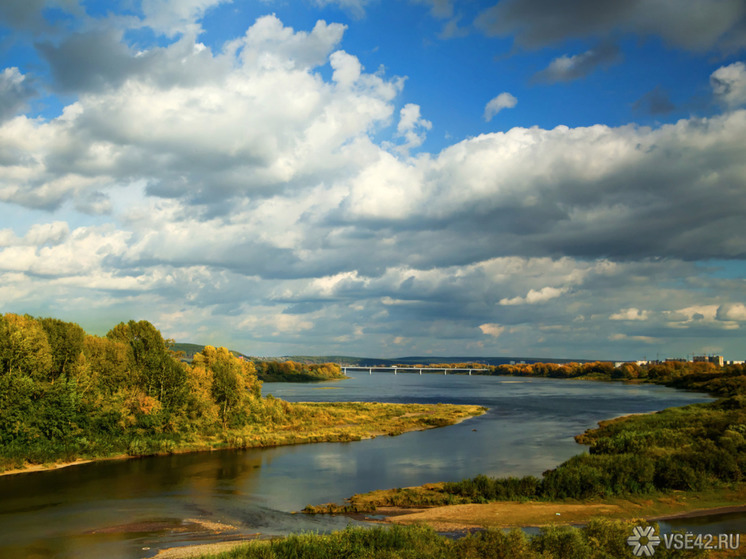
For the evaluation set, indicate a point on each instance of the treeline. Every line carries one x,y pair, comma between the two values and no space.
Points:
292,371
709,377
669,371
64,393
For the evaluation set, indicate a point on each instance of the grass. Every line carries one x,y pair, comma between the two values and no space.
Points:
600,539
433,495
276,423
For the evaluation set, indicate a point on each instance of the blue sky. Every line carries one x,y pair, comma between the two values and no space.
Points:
370,177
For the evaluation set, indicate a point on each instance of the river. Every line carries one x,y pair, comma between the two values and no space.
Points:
132,508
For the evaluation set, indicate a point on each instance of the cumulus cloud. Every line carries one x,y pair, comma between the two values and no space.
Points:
503,101
243,128
567,68
15,90
535,296
171,17
692,24
729,84
731,311
630,314
251,192
492,329
412,128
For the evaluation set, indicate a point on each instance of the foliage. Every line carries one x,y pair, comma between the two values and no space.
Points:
64,393
292,371
67,395
600,539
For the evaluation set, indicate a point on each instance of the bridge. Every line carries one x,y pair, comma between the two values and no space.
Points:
396,370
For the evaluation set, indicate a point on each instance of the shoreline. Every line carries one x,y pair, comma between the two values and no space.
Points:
285,438
389,513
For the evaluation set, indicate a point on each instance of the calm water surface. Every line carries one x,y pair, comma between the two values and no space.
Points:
132,508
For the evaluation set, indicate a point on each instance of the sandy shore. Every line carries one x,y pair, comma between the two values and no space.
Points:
199,550
458,518
57,466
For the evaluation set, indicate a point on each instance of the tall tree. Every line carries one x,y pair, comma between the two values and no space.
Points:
234,381
24,348
66,343
159,374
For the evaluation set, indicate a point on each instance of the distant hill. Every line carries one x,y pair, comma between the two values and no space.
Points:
422,360
351,361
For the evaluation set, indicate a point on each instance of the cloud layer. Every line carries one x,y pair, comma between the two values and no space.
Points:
269,192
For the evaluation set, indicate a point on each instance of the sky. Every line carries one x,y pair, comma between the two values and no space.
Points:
380,178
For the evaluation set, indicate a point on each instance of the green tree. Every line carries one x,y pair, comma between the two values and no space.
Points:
24,348
158,373
66,344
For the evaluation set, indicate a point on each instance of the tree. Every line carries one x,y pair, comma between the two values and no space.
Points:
24,348
158,373
234,381
66,343
107,363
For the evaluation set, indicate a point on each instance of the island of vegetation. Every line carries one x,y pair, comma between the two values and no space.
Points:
67,396
305,369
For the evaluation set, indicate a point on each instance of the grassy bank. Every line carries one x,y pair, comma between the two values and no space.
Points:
278,423
600,539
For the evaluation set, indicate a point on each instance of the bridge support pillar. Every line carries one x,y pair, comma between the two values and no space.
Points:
469,372
370,371
420,371
445,372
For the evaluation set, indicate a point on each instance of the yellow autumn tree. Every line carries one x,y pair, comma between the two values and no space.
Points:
232,382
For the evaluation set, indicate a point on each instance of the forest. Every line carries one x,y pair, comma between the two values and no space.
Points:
67,395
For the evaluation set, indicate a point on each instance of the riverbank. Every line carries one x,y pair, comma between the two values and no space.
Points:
302,423
599,537
513,514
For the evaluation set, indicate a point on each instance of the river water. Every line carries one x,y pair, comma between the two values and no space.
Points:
132,508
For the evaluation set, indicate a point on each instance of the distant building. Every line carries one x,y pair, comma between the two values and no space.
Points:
716,359
676,360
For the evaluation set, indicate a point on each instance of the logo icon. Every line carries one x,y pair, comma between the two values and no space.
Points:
643,541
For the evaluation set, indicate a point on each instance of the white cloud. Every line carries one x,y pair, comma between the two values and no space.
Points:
253,194
412,127
729,84
491,329
567,68
731,311
630,314
535,296
503,101
172,17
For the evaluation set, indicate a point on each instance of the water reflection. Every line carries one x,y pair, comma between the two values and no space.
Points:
92,510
